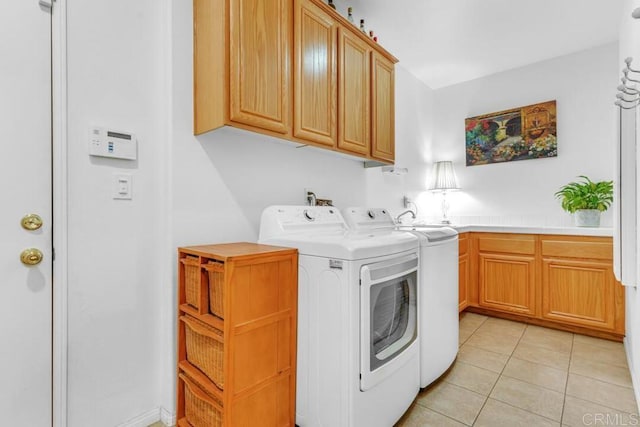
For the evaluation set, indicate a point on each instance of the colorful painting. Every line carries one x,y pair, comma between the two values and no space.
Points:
519,134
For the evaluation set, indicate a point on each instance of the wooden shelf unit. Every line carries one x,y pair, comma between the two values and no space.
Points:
258,329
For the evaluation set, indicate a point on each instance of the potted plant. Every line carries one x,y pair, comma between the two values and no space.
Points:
586,199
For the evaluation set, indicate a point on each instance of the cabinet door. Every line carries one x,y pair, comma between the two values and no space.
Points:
259,64
463,280
507,282
463,271
579,292
354,87
383,108
315,70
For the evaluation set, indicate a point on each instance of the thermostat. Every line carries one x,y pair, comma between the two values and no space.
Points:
115,144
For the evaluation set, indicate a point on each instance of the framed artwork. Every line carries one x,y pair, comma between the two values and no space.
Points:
518,134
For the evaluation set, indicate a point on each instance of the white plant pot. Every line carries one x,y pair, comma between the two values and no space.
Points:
587,218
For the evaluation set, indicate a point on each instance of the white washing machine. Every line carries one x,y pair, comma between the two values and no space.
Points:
438,291
358,347
438,300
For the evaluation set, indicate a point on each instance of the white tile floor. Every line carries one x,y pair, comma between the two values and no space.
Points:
512,374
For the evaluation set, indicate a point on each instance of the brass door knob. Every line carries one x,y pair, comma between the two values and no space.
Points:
31,256
31,222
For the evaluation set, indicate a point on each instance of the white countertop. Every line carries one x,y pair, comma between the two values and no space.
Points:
524,229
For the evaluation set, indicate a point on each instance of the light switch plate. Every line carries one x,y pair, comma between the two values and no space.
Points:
122,186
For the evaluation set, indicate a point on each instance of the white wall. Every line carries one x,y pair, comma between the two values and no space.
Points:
521,192
630,46
115,79
414,129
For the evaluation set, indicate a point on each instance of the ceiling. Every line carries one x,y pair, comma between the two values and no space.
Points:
444,42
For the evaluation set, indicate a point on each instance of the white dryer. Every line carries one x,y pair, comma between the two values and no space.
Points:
358,348
438,291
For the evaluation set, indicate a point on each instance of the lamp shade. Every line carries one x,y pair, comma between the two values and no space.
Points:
444,177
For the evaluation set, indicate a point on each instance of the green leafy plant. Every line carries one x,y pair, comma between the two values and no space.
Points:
586,195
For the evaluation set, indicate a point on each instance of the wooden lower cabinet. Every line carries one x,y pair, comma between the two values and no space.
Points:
578,284
507,272
565,282
237,314
507,282
578,292
463,271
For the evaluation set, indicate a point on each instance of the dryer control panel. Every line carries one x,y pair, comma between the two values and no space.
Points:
283,220
368,218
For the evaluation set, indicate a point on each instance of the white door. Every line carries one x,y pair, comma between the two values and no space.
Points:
25,182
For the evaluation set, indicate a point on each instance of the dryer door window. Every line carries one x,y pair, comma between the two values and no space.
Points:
389,316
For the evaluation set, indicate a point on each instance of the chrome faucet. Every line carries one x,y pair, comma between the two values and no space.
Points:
413,215
312,200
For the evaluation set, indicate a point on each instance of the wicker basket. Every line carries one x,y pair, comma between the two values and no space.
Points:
205,349
200,409
192,280
216,288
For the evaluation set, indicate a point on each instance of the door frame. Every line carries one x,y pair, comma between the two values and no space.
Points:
60,210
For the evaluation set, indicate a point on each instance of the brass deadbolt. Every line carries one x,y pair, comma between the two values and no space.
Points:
31,256
31,222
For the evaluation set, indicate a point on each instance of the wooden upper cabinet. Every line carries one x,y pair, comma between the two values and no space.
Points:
354,94
259,59
210,72
315,74
382,108
295,70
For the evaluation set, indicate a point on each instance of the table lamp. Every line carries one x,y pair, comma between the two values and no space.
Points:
444,180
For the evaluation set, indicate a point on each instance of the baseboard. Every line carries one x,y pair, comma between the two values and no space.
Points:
632,370
143,420
612,336
167,417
